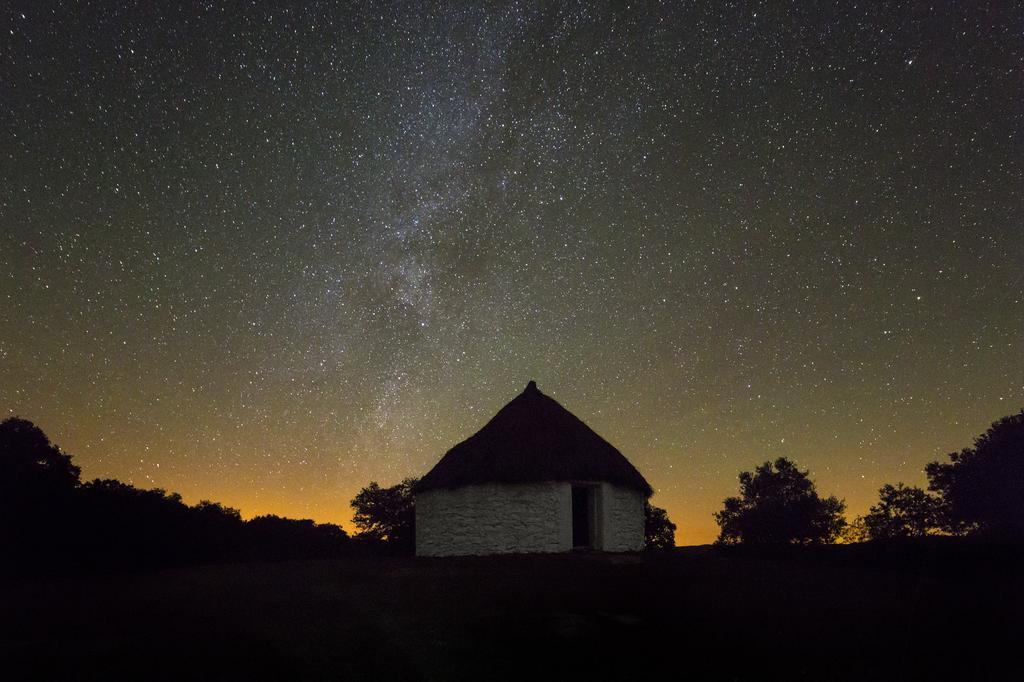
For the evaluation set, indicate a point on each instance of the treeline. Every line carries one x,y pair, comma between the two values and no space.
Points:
51,521
979,493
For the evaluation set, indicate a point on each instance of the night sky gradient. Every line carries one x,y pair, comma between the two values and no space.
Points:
264,254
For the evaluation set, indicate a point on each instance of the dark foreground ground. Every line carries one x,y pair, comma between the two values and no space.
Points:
840,613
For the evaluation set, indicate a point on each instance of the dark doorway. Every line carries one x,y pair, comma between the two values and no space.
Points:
581,535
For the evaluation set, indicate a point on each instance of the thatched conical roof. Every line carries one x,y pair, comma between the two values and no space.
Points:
533,439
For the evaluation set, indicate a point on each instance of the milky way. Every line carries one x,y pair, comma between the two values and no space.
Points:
264,255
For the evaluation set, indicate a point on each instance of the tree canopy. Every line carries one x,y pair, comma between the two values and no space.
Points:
30,463
902,512
659,531
778,504
386,515
982,487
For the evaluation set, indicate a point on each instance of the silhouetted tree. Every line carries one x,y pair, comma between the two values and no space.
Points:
37,492
902,512
659,531
982,487
386,515
779,505
855,531
30,463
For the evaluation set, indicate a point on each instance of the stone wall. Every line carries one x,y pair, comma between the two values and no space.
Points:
537,517
622,512
494,519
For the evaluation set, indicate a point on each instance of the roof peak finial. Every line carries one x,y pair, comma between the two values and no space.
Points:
531,387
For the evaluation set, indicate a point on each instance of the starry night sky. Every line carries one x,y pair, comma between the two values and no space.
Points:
264,255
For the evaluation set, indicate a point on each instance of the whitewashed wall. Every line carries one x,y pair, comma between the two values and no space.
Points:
622,512
499,519
494,519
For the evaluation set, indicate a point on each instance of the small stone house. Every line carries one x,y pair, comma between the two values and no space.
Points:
534,479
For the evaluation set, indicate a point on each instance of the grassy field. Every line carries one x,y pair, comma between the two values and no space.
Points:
839,613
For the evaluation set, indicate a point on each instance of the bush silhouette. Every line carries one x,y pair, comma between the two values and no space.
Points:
277,538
